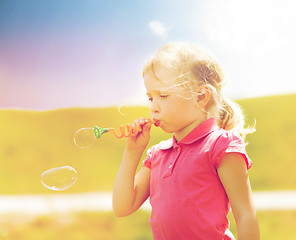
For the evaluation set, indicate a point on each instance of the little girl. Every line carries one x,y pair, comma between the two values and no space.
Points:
193,178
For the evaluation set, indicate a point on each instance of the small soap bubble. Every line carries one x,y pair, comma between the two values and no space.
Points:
84,137
59,178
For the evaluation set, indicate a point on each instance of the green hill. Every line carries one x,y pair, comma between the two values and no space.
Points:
34,141
273,144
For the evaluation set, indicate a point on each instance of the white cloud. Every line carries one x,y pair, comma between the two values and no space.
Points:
158,29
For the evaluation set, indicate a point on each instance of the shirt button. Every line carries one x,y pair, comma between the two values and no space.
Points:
178,148
171,165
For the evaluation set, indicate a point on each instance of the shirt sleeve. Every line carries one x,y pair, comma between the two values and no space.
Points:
147,161
229,142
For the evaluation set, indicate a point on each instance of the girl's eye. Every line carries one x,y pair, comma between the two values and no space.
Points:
150,99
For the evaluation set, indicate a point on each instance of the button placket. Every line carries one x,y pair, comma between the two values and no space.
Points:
169,169
171,166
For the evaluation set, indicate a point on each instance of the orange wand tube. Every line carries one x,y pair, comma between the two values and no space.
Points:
130,131
85,137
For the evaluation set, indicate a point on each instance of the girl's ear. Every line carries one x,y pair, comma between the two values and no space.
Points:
203,96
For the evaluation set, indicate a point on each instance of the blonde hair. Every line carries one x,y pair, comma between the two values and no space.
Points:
194,67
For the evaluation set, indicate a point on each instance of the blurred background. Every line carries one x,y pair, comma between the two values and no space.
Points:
67,64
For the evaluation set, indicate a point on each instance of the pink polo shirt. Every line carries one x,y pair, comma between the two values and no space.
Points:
187,198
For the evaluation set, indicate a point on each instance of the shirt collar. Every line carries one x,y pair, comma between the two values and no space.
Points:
202,130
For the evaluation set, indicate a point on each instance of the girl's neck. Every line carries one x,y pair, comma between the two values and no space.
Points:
182,133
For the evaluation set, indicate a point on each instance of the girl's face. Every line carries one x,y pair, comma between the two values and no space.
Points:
175,108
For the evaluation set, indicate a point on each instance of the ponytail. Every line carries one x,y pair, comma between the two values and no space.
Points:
231,117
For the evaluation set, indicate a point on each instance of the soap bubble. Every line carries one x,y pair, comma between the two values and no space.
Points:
59,179
84,137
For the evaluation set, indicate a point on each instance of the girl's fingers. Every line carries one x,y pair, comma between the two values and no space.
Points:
137,124
147,120
134,126
142,122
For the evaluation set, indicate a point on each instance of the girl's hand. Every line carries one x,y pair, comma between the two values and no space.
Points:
140,141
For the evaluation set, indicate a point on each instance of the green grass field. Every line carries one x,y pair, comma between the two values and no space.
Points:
32,142
272,146
274,225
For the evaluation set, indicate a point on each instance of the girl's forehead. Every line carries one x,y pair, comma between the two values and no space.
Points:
154,85
160,78
162,72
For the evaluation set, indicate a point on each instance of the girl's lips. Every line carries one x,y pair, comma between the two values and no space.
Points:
156,122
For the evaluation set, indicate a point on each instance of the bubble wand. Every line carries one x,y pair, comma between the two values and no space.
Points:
61,178
85,137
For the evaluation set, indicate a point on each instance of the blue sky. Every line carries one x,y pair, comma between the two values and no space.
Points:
70,53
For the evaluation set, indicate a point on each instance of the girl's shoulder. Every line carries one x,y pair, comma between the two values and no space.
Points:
224,141
154,151
222,136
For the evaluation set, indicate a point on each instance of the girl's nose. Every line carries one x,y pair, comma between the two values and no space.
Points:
154,108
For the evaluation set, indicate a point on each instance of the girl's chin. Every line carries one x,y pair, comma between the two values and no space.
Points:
166,128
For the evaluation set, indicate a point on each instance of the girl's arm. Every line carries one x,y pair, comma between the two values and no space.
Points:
234,177
130,192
